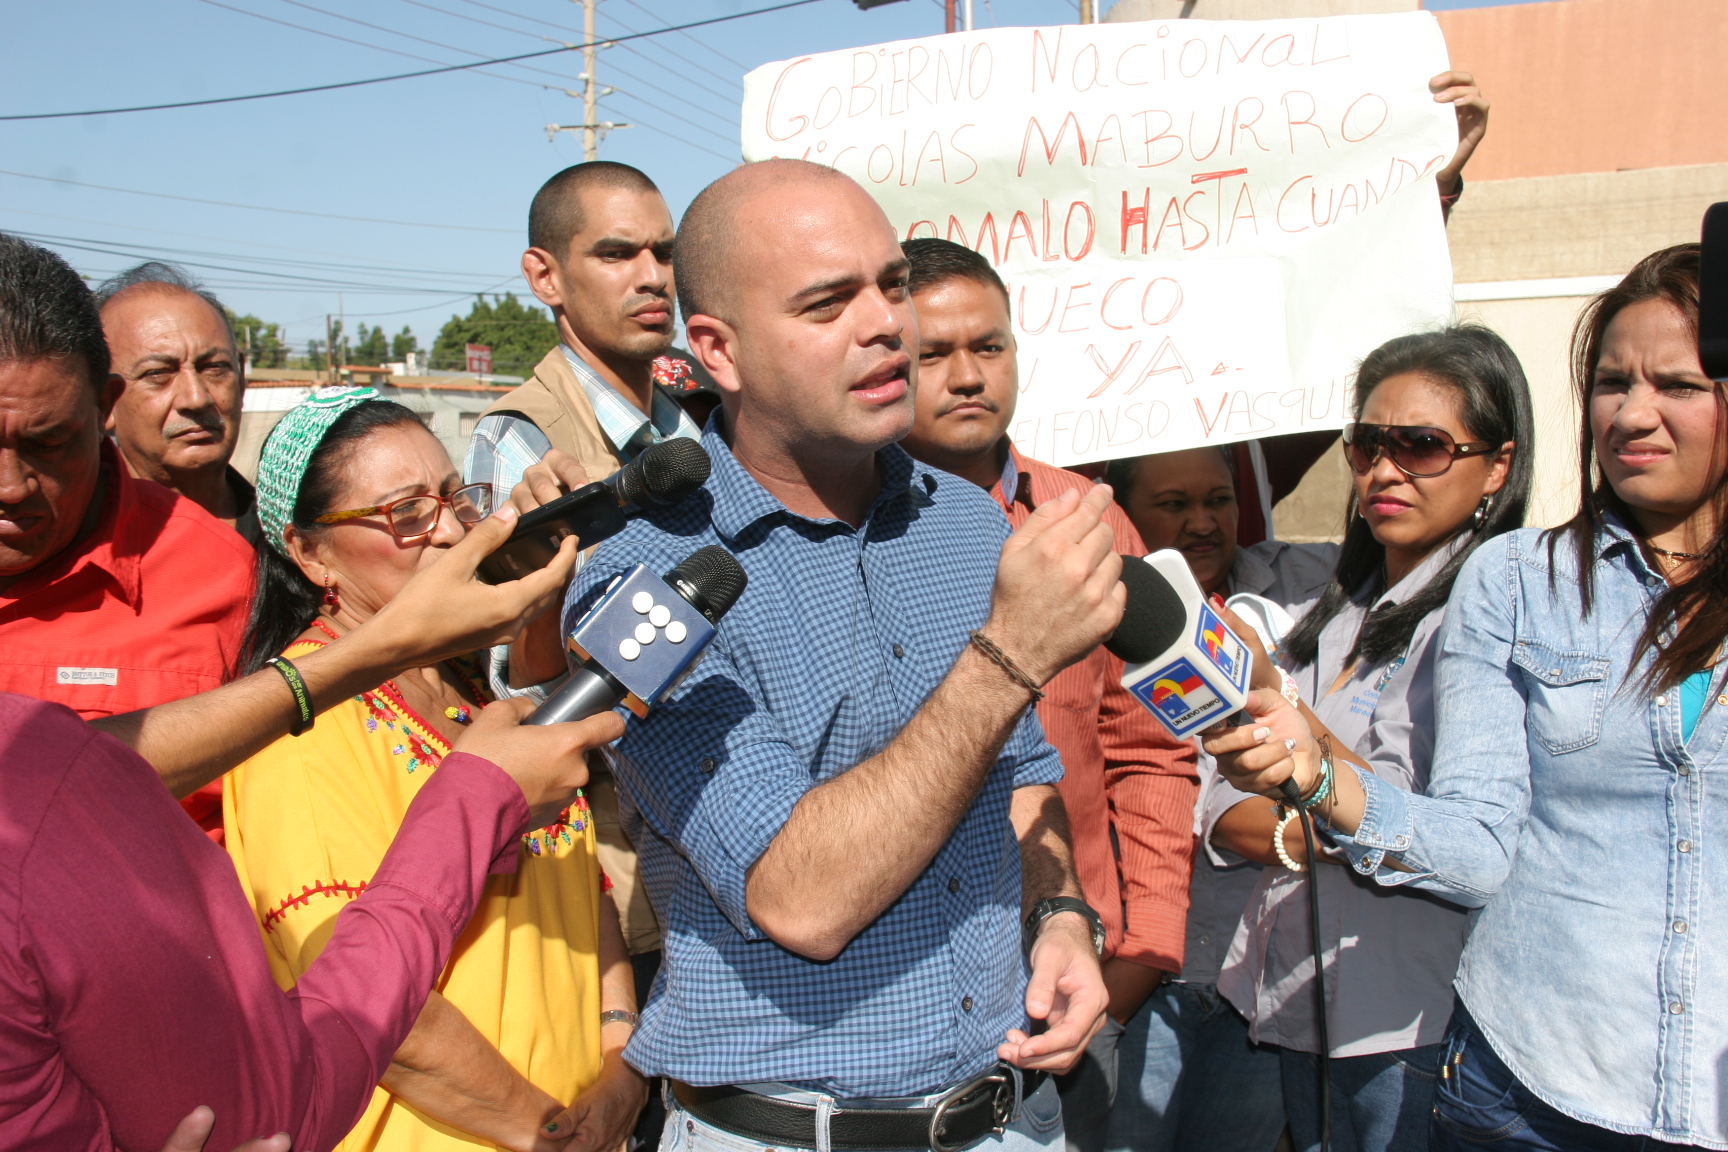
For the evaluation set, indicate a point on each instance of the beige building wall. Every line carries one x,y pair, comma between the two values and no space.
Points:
1250,9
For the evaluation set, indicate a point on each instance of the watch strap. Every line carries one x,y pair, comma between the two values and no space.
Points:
618,1016
1051,906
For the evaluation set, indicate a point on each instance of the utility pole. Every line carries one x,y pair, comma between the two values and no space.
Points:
947,15
1086,12
966,15
329,352
590,90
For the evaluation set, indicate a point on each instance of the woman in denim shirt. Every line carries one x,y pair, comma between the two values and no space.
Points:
1569,799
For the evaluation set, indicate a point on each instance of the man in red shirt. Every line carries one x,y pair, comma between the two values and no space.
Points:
115,593
1129,788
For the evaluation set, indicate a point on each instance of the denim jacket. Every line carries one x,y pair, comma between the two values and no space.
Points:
1565,807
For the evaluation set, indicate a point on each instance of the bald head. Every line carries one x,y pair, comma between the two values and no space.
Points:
716,231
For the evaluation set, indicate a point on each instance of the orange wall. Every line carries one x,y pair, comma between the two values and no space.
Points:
1596,85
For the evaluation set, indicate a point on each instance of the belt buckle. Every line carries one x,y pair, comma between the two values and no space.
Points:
1003,1107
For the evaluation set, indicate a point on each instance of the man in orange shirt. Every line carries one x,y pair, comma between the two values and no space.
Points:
115,593
1129,788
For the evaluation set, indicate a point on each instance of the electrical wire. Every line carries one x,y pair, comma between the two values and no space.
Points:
700,44
258,207
398,76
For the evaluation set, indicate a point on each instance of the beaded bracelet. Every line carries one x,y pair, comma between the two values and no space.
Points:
1285,815
302,698
988,646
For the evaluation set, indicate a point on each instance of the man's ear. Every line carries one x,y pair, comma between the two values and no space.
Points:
714,343
540,268
109,395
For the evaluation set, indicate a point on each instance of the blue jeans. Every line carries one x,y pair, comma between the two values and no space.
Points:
1480,1104
1189,1080
1380,1103
1037,1128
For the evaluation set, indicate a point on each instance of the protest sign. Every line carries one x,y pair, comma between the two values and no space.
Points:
1203,225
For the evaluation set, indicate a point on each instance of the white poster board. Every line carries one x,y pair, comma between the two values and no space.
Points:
1203,225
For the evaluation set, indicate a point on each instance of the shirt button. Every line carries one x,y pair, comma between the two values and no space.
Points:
1684,770
966,1004
954,884
1676,1008
1723,700
1684,845
1661,701
899,652
1680,926
707,764
1205,939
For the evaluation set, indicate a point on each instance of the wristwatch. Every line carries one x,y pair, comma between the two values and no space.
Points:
618,1016
1049,907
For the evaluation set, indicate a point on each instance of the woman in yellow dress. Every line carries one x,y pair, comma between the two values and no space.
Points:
355,495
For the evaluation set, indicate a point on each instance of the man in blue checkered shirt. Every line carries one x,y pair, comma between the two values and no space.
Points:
846,815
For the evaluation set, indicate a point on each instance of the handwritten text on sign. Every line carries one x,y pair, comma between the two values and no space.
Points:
1203,224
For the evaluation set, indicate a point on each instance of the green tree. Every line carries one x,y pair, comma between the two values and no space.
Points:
519,335
372,347
403,343
260,342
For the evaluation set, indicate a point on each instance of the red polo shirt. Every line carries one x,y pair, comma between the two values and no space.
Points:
1129,787
149,607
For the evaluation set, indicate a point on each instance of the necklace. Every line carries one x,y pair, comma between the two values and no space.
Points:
1673,555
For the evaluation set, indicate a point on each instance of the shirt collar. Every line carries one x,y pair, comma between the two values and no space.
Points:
1422,573
622,422
740,500
1016,482
1249,573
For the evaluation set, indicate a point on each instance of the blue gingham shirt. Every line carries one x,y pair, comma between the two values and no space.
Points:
838,641
503,446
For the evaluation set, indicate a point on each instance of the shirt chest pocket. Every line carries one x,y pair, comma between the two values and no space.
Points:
1566,694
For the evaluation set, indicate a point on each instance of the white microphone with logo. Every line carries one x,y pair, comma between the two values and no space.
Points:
1184,663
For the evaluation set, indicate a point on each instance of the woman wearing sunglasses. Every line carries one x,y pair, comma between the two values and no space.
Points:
355,496
1571,801
1440,450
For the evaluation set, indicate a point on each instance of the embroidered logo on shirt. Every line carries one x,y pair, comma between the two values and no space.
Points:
108,677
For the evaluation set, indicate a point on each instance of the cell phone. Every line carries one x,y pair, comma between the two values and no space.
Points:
590,513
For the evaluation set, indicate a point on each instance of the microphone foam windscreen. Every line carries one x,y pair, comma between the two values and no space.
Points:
664,474
711,579
1154,618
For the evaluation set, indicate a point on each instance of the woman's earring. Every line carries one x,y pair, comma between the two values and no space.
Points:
1480,516
332,603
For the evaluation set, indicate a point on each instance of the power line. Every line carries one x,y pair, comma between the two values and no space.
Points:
700,44
399,75
258,207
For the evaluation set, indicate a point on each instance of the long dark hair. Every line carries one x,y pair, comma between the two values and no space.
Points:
1494,403
1696,609
286,601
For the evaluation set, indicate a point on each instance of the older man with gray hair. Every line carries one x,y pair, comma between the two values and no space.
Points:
177,420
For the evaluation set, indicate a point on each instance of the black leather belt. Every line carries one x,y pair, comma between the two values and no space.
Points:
964,1116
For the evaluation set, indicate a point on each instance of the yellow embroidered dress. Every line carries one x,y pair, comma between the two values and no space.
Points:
308,822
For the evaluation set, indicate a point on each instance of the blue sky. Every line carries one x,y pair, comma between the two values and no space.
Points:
463,151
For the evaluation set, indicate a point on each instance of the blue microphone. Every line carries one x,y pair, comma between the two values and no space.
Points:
645,635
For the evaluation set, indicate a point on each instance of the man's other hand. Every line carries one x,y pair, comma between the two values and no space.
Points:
548,762
557,473
1459,90
1058,585
189,1135
445,610
1066,992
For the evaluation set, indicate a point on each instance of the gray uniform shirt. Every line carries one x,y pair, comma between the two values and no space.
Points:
1390,953
1291,576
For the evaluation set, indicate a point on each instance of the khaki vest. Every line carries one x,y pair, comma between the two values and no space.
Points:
553,399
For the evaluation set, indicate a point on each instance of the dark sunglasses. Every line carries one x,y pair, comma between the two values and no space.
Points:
1413,449
414,516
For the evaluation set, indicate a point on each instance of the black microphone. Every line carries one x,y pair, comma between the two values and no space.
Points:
660,476
645,635
1713,293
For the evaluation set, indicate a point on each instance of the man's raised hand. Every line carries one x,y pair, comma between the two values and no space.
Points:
1058,585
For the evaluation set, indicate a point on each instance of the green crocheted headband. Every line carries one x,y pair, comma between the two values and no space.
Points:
289,448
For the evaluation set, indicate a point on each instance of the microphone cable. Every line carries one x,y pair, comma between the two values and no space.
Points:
1293,796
